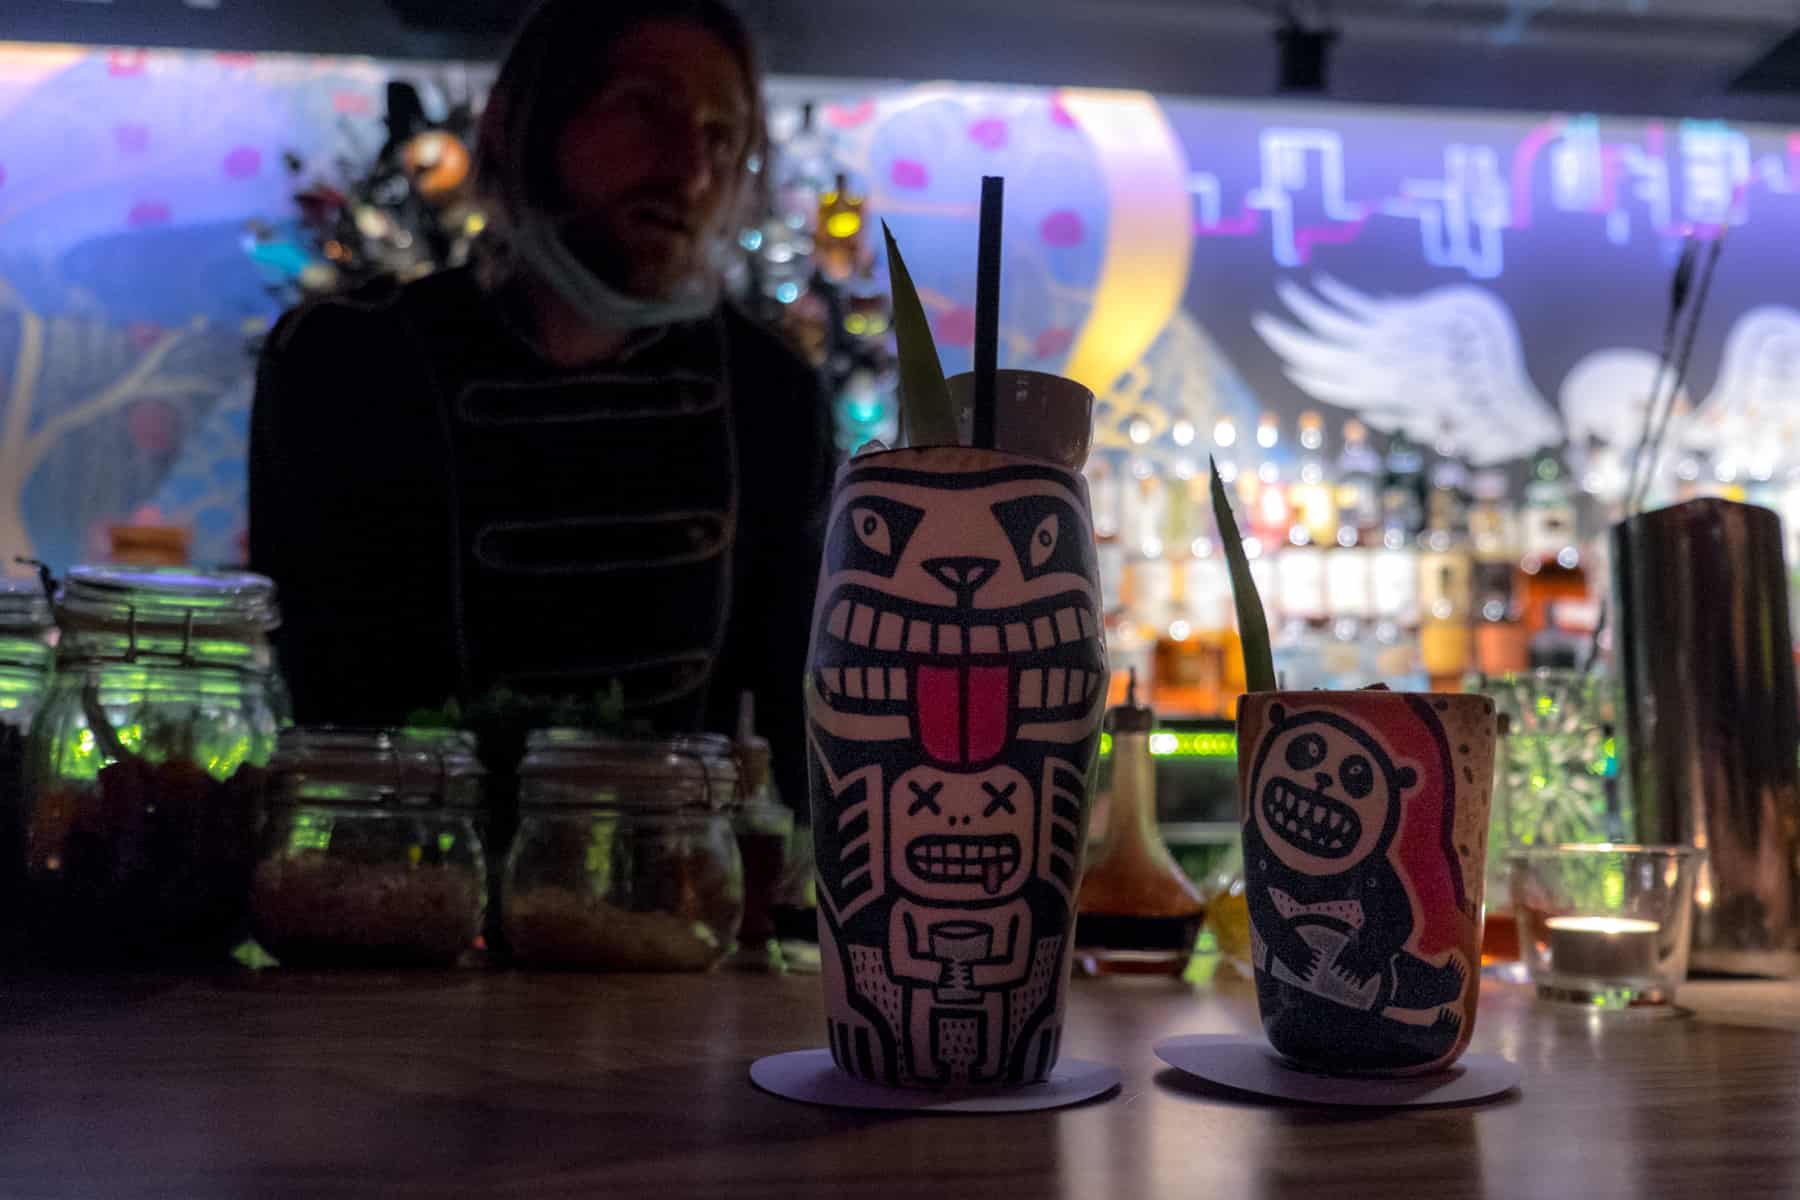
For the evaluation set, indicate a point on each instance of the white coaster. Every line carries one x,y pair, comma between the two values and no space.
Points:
810,1077
1251,1065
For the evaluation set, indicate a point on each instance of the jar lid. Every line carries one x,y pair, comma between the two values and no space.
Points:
409,768
168,596
576,767
24,609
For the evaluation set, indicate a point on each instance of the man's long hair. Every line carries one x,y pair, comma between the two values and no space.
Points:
555,65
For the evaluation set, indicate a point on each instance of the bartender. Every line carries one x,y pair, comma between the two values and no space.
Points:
568,465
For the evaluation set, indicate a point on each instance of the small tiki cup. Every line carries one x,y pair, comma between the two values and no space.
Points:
1365,834
954,694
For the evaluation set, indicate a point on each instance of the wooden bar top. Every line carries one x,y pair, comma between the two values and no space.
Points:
277,1084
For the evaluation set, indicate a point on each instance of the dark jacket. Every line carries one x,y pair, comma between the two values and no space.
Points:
445,514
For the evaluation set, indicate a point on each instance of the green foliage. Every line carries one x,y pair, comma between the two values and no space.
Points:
1253,626
926,415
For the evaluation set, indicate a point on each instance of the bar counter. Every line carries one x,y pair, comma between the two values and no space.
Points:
277,1084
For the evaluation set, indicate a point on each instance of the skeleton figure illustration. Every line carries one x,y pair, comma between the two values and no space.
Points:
953,700
1335,917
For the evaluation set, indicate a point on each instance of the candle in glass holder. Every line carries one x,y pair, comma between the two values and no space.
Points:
1621,948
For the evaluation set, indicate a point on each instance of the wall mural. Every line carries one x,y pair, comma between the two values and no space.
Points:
1496,281
1187,260
130,302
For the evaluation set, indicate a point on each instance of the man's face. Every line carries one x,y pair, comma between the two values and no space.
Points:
648,166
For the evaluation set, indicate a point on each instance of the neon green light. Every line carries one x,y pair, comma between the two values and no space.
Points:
1184,744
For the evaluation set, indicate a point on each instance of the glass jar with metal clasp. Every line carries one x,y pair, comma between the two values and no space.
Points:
26,630
372,856
145,766
625,858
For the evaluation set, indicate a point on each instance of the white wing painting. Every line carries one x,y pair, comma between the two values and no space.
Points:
1444,363
1603,399
1752,415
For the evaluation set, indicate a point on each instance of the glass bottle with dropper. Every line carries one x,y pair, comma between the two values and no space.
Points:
1138,914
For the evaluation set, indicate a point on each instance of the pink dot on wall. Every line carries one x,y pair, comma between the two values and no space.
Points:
153,425
1061,228
957,327
147,212
1060,115
132,139
2,176
909,173
243,163
989,133
1052,342
849,117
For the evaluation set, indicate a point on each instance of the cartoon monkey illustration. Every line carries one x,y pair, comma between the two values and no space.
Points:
1335,918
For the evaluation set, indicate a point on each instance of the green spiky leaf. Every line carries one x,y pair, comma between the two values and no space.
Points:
926,414
1253,627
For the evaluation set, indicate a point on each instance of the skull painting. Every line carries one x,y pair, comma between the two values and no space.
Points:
953,702
1364,822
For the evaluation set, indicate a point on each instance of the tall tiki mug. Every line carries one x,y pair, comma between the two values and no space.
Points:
1364,823
954,694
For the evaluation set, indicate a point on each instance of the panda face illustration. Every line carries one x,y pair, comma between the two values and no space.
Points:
1327,792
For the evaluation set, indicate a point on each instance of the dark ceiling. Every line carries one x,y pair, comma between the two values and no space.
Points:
1646,56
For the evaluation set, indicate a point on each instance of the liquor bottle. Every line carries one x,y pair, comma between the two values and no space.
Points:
1402,490
839,237
1391,656
1224,453
1190,653
1447,501
1142,516
1300,575
1137,913
1270,514
1358,489
1446,578
1313,497
1150,583
1446,640
1500,638
1102,473
1187,510
1214,617
1550,563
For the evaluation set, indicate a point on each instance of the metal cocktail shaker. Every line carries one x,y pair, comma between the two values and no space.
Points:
1711,726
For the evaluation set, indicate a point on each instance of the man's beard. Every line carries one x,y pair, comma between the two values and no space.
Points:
641,272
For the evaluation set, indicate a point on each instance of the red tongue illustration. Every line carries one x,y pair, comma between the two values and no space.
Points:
963,712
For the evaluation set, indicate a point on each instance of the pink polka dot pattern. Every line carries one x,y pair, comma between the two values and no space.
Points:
840,117
1062,229
1052,342
148,212
989,133
1061,115
244,162
909,173
956,327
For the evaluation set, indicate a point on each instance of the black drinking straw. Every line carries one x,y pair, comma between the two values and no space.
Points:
987,308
